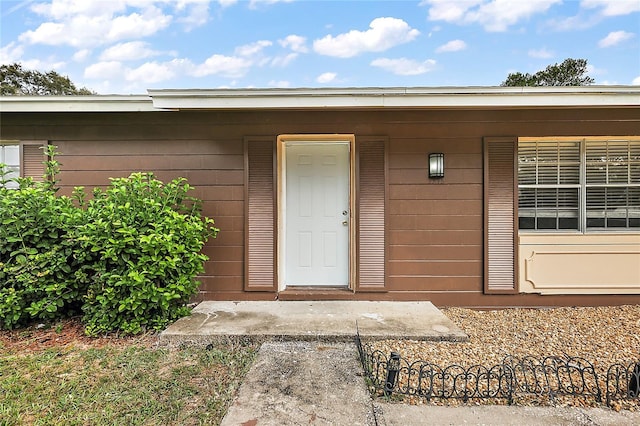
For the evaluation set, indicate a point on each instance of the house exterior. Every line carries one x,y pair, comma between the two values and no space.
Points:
334,193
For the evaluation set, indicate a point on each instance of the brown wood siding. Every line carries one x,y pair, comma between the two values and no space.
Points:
32,158
260,214
371,200
500,271
435,225
443,262
214,167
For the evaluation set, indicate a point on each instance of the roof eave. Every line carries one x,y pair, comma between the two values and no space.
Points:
84,103
335,98
413,97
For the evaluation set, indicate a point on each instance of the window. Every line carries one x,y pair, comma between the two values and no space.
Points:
10,159
578,184
612,184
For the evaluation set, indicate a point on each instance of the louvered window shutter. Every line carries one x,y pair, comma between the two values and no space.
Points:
500,212
259,214
32,158
371,174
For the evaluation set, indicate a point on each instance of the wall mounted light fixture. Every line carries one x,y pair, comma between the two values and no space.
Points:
436,165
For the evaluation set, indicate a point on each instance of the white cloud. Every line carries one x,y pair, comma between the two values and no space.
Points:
11,53
294,42
226,66
14,52
283,61
615,37
147,73
498,15
104,70
493,15
449,10
129,51
452,46
86,24
592,70
404,66
612,7
94,30
65,9
151,72
540,53
138,25
15,8
46,33
81,55
603,9
253,4
253,48
636,81
197,13
39,64
383,34
227,3
111,64
326,77
574,23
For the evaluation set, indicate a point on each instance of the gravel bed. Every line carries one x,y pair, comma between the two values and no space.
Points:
601,335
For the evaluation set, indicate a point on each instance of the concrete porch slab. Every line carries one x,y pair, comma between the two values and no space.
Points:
312,320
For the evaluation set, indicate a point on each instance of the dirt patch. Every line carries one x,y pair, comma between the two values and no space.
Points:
67,333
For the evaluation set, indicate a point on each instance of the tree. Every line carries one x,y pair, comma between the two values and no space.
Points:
571,72
15,80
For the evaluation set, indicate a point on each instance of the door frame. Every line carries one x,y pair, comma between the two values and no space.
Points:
281,198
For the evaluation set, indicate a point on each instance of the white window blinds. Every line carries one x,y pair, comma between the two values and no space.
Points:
579,184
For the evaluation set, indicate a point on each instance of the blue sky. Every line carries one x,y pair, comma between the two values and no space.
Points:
128,46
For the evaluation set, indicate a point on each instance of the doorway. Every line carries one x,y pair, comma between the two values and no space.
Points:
315,219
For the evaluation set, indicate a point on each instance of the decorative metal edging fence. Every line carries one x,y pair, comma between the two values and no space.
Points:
554,376
550,376
623,382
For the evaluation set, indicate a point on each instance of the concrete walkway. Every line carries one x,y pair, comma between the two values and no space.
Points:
404,415
296,383
307,371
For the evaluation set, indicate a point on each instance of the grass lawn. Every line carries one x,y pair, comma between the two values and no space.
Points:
58,376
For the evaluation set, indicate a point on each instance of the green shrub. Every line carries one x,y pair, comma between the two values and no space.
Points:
127,259
144,241
39,275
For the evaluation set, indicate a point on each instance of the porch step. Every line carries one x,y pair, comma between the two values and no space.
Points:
312,321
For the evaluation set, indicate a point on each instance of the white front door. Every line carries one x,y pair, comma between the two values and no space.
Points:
317,214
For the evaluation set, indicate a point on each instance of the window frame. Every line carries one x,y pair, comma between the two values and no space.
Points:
16,168
583,185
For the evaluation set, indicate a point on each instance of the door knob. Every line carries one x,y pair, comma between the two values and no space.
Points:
345,222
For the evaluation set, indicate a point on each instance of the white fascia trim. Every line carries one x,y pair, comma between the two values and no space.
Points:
88,103
416,97
339,98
